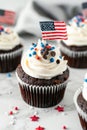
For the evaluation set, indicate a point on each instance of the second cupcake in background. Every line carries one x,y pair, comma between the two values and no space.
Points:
42,75
80,100
11,50
75,48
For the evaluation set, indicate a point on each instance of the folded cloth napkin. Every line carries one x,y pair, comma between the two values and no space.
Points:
36,11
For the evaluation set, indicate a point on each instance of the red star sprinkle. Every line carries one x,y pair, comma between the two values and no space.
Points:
60,109
16,108
40,128
64,127
34,118
11,113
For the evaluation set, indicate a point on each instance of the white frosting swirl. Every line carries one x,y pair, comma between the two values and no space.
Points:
77,35
8,40
84,91
43,68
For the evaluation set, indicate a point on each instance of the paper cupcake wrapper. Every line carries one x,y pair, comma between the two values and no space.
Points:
79,110
71,53
9,61
42,96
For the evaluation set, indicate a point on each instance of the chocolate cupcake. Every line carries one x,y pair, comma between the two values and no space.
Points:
80,100
10,50
42,75
75,48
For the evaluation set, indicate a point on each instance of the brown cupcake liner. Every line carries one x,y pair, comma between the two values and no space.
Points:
76,62
76,59
42,96
71,53
82,115
9,61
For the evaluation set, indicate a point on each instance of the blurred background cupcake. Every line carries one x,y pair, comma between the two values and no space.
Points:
10,50
42,75
80,100
75,48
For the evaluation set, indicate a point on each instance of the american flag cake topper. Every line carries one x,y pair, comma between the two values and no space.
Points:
7,16
53,30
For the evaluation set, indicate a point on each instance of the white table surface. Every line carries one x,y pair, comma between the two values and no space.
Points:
49,118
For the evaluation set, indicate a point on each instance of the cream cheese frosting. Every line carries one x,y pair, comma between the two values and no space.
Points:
43,61
77,32
84,91
8,39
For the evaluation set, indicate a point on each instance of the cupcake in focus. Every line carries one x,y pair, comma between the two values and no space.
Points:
42,75
80,100
10,50
75,48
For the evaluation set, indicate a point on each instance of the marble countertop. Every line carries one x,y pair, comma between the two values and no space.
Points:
49,118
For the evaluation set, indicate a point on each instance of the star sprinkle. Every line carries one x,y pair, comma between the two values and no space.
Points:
51,59
37,57
48,47
11,113
52,48
60,57
85,80
1,29
30,55
40,128
34,44
16,108
34,53
8,75
57,61
64,128
34,118
59,108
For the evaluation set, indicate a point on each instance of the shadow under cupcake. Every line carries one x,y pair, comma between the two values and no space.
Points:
42,75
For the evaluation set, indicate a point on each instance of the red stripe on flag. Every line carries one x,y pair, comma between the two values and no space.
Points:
54,32
54,38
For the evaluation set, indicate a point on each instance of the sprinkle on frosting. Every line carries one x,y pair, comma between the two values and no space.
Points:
78,21
44,50
43,61
84,91
8,38
85,80
57,61
77,31
51,59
